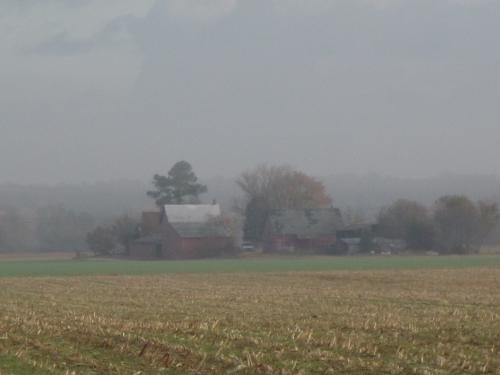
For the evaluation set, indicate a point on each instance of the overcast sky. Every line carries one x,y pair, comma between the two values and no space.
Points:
98,90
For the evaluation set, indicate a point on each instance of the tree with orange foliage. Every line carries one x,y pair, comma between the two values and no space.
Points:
274,187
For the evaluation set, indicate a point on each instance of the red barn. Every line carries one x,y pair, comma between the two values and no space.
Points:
195,240
292,230
185,232
194,231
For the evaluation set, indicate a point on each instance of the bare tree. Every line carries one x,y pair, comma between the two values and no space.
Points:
283,187
462,225
126,230
488,220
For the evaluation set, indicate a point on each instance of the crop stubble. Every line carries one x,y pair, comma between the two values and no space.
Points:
422,322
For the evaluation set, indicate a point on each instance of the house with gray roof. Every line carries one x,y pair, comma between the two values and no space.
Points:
307,230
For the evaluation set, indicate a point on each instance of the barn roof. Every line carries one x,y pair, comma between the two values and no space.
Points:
201,230
305,224
191,213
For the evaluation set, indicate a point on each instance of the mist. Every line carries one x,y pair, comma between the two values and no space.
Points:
93,92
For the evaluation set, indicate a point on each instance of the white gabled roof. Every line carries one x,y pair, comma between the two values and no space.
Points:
191,213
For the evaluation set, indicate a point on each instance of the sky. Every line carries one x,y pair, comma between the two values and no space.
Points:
94,90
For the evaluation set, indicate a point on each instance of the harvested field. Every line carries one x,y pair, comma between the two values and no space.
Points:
356,322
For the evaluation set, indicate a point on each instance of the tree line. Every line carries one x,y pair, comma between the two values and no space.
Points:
49,228
454,224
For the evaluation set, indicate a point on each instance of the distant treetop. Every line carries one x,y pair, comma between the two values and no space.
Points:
179,186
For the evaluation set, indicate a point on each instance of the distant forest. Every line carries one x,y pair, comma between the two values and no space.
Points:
42,217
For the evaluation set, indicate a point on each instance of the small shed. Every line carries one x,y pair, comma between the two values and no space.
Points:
147,247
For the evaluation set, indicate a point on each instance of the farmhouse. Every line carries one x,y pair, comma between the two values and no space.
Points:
183,232
290,230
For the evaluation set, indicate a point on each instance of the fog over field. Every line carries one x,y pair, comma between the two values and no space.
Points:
364,195
105,91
